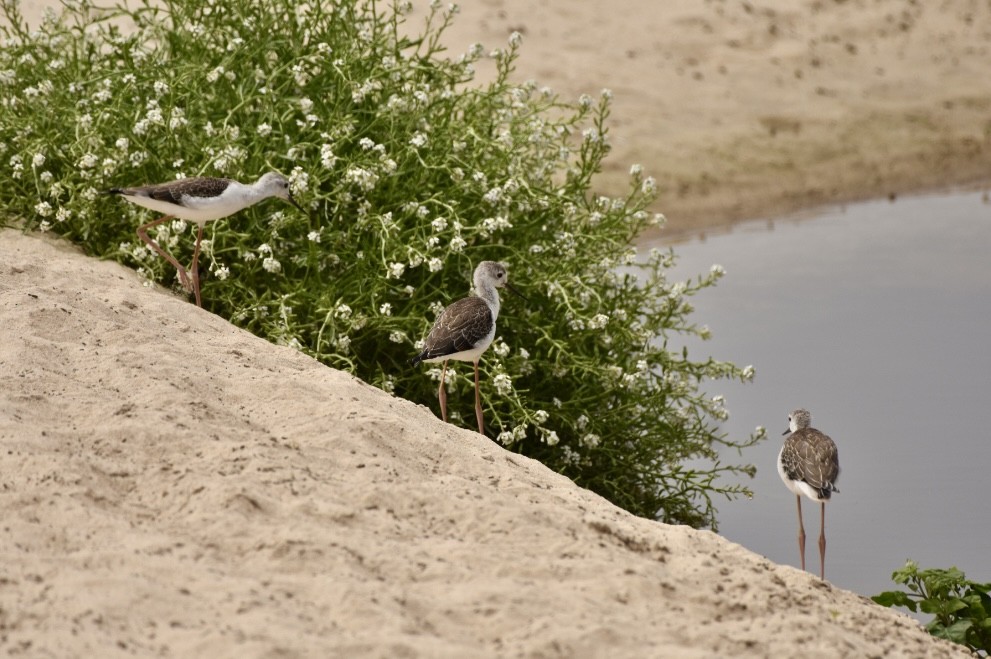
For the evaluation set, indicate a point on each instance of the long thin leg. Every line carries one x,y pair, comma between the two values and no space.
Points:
196,273
442,393
143,235
478,403
822,541
801,531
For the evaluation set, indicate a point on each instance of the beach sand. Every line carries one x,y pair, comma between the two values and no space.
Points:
174,486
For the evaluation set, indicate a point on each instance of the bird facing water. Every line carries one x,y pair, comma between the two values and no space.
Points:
809,465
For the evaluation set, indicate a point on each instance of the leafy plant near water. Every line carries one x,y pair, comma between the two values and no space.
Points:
413,173
961,608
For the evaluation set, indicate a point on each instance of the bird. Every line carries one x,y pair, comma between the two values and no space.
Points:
200,199
466,328
809,465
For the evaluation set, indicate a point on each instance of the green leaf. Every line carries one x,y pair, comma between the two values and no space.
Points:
895,598
957,632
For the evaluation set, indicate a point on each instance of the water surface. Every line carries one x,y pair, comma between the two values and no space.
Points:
877,318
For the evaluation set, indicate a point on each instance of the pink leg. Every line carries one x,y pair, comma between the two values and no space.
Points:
442,393
478,403
801,531
143,235
196,274
822,542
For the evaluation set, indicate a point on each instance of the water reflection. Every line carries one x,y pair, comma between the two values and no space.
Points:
877,318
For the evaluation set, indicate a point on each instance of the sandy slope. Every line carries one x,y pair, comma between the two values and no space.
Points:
174,486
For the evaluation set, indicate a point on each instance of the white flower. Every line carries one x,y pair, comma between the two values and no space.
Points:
264,130
515,39
88,161
264,248
395,270
45,225
748,372
551,438
38,160
299,181
500,348
598,321
493,196
313,236
305,104
505,438
540,416
223,272
327,157
503,384
591,440
161,87
363,178
385,309
418,139
636,170
435,264
436,308
214,75
649,185
396,336
343,343
458,244
43,209
717,270
343,311
63,214
271,265
439,224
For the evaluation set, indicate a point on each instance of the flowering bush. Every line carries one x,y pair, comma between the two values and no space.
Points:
412,174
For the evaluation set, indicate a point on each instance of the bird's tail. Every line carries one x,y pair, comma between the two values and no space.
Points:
113,191
419,358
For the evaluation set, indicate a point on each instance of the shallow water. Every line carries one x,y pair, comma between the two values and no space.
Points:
876,318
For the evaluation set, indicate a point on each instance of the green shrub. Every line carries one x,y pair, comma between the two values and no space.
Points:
412,173
961,609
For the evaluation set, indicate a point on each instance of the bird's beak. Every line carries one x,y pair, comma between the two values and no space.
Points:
515,292
787,430
292,201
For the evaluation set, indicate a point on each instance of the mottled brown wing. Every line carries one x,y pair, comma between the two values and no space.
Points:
812,457
459,327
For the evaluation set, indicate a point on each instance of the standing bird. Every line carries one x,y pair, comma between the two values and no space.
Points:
809,464
200,200
466,328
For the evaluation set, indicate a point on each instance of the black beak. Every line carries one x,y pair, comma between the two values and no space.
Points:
788,430
293,202
516,292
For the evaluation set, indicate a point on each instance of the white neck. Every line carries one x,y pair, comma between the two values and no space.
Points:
490,294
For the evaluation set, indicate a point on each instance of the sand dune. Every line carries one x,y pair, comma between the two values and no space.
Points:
174,486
